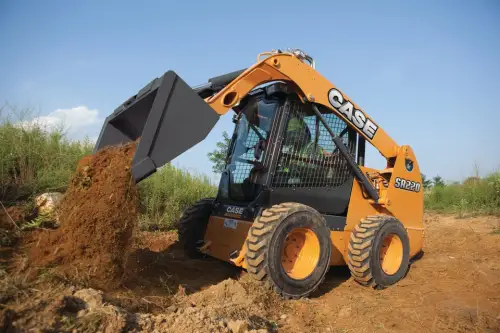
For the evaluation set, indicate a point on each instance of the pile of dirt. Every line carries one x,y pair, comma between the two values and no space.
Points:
10,217
98,217
243,299
62,309
85,310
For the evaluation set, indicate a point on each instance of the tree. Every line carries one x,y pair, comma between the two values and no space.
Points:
427,183
438,181
218,155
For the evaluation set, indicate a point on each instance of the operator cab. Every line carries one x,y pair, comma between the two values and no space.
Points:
255,118
280,151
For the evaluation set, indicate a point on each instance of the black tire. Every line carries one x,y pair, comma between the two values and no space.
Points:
365,246
192,226
266,241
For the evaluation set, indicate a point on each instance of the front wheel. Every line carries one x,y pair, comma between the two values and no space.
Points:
379,251
289,247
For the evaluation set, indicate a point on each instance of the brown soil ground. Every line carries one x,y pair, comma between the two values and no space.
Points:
453,287
98,217
11,216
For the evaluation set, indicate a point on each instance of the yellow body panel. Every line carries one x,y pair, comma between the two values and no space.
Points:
340,241
406,205
224,241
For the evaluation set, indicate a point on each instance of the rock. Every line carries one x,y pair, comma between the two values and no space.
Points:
64,304
237,326
92,297
47,202
189,311
283,316
171,309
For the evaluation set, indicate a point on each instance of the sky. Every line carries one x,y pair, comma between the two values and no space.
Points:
428,72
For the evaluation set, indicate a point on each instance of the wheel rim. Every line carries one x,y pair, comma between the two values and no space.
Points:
300,253
391,254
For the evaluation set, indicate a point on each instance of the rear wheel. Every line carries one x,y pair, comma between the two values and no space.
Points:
289,247
379,251
192,226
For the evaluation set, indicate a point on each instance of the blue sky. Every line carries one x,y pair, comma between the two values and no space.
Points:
427,71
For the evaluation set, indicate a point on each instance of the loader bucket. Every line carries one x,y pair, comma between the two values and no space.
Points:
167,116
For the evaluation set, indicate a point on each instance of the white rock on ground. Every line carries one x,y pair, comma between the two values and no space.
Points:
237,326
92,297
47,203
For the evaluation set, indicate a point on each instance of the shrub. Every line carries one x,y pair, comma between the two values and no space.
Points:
169,191
475,195
34,157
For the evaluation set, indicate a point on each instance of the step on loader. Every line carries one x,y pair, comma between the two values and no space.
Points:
295,197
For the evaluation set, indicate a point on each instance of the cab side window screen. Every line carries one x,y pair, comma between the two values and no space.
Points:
308,155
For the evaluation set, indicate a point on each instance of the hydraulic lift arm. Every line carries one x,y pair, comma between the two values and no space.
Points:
314,87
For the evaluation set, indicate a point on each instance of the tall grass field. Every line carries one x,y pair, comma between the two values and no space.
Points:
473,196
36,158
166,194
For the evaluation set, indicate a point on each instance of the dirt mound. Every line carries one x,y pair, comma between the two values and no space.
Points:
11,216
98,217
158,268
85,310
62,310
245,301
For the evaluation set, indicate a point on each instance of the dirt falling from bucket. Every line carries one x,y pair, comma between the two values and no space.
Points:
98,217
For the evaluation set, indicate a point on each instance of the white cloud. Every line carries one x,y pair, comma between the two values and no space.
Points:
75,120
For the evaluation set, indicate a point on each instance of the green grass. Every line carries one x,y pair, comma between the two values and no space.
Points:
36,159
165,194
481,196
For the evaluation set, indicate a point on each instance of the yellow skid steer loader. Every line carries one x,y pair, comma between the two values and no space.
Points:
295,197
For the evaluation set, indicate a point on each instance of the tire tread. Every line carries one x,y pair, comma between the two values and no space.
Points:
360,248
258,240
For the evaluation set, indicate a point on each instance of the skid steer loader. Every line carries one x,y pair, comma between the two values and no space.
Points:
295,197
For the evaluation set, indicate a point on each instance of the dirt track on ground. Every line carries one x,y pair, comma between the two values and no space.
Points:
454,287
